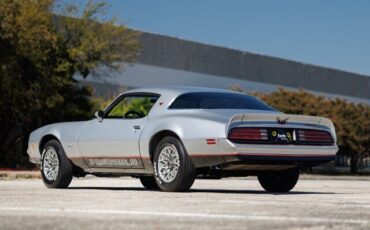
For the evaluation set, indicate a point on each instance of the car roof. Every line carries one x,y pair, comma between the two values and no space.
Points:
176,90
169,93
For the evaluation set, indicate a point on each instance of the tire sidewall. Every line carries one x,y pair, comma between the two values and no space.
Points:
149,182
57,147
280,182
177,182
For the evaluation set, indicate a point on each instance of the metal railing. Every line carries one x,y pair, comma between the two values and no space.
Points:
344,161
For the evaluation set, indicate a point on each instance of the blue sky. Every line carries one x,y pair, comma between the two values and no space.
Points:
332,33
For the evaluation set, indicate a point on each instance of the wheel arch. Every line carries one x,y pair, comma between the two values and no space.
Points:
157,137
77,170
45,139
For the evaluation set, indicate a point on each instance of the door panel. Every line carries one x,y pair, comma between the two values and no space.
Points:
112,140
112,143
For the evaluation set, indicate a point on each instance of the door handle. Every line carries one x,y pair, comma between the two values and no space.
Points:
136,127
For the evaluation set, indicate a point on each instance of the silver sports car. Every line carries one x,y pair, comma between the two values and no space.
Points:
169,136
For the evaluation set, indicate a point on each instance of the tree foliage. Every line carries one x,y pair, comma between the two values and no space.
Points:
40,52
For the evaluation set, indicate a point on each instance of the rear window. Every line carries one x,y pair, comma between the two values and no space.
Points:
218,101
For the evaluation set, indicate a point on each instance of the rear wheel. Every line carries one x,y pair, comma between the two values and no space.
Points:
149,183
173,170
56,169
279,181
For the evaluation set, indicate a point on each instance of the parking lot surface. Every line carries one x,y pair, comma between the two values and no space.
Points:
122,203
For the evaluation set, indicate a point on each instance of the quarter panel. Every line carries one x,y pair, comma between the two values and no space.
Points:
66,133
193,127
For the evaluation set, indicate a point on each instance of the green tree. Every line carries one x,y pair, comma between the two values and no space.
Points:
351,120
40,52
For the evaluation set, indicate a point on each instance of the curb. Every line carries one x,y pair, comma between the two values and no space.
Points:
10,175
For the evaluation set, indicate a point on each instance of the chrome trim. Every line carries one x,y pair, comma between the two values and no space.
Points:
50,164
168,163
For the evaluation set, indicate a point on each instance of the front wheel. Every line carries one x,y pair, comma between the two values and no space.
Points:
279,181
149,182
173,170
56,169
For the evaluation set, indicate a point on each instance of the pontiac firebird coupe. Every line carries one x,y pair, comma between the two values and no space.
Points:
169,136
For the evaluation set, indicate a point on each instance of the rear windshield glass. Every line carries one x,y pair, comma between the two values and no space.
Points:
218,101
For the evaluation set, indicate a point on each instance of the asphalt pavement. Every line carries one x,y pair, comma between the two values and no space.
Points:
122,203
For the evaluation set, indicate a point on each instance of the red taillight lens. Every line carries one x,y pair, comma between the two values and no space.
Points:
251,134
314,136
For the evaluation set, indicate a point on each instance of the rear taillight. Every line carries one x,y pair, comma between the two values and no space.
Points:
314,136
248,134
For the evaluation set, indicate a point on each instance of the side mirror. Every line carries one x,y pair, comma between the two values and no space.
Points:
99,115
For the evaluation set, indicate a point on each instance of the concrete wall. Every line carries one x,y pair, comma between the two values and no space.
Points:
174,53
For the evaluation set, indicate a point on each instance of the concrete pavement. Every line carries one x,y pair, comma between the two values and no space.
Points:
121,203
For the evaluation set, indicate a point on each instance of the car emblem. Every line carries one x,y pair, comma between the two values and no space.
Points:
282,121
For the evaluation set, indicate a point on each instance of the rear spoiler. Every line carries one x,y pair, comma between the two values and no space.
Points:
277,119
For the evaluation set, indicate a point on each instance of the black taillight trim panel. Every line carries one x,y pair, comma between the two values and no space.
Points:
270,139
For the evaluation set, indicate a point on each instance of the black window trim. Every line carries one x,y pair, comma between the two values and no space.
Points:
120,98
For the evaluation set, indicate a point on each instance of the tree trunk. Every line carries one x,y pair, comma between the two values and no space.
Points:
356,160
353,164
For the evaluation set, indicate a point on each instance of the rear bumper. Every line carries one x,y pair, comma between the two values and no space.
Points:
278,151
284,160
263,154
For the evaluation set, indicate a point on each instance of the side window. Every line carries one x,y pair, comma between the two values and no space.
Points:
132,107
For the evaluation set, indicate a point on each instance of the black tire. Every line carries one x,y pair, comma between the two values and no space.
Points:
279,181
186,173
149,182
65,172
